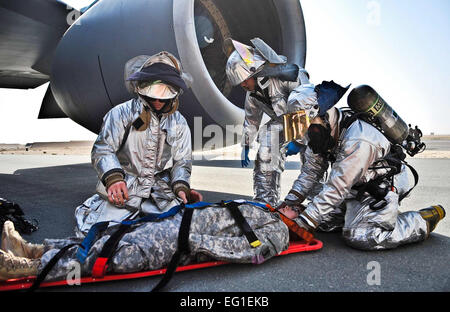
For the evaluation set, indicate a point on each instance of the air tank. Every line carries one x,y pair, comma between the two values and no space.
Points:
365,99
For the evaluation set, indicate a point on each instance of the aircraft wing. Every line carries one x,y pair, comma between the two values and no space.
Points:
29,33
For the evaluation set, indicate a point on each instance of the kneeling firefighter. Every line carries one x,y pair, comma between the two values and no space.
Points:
268,79
142,154
368,177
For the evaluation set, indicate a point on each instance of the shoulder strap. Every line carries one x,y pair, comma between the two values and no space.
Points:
396,157
416,180
125,136
264,99
137,123
349,117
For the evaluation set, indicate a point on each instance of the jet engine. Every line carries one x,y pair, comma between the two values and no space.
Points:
87,77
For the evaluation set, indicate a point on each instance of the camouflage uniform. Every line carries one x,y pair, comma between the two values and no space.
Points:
149,246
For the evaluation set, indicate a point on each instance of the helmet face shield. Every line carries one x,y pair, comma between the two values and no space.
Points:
156,90
296,126
237,71
242,65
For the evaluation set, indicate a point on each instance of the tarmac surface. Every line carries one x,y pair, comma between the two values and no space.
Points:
49,187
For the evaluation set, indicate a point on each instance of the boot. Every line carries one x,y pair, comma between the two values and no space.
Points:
432,215
16,267
13,243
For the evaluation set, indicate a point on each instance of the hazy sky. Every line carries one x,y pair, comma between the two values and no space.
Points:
399,47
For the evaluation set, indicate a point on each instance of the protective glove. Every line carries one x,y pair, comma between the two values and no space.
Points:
244,156
293,148
294,198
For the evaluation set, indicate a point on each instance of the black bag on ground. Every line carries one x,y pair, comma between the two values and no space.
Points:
12,212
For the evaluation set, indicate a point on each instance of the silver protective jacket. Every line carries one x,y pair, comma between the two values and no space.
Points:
146,157
154,162
359,147
254,109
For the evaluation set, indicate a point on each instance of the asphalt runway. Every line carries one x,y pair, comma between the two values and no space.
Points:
49,187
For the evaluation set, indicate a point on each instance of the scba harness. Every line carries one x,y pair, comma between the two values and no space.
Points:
101,263
381,185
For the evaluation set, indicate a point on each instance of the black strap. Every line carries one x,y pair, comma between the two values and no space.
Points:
125,135
182,248
40,278
233,207
350,117
416,180
101,263
110,245
264,99
136,124
373,187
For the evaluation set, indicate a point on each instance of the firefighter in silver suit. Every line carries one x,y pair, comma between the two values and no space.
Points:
359,154
142,154
268,80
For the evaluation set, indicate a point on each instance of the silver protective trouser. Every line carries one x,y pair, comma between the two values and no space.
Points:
386,228
152,161
269,164
368,229
359,155
213,235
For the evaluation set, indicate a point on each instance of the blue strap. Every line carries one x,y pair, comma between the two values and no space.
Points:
257,204
198,205
247,202
155,216
89,240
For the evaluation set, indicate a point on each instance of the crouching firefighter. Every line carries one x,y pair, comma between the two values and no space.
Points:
368,177
268,79
143,152
233,231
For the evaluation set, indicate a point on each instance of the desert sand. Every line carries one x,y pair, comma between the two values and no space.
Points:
227,153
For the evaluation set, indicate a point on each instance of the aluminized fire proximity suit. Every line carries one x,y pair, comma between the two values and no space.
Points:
155,161
359,148
269,163
213,235
270,97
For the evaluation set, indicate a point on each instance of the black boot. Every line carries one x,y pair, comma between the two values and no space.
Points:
433,215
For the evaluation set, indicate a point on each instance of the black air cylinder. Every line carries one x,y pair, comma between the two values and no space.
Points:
366,99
